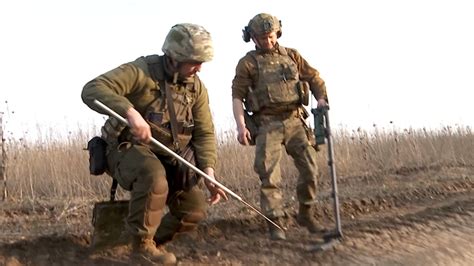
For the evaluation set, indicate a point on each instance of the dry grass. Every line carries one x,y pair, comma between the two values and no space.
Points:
56,168
360,152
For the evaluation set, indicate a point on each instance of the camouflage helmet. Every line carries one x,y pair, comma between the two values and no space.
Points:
264,23
188,42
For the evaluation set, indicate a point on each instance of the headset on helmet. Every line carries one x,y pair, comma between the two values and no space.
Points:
261,24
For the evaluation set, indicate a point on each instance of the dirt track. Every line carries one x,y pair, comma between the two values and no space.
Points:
408,217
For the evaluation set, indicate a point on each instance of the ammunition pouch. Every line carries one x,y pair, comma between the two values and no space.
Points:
303,91
303,114
97,148
251,127
163,134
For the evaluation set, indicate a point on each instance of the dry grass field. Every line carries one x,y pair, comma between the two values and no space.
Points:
406,198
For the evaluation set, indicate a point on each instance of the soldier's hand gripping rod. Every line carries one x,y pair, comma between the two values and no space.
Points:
181,159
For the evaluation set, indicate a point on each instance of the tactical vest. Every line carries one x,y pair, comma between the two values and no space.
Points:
278,86
157,112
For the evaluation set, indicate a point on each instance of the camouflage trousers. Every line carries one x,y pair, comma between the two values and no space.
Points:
138,170
273,134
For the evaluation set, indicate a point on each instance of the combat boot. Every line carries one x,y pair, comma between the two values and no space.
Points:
145,252
305,218
275,232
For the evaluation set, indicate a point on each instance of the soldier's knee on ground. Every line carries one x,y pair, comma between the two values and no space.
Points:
171,225
167,230
191,220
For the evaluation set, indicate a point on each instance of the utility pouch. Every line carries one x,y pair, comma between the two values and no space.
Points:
184,177
303,114
251,101
311,138
303,91
97,148
251,127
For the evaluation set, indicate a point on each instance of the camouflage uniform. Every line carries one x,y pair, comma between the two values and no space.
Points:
145,170
269,83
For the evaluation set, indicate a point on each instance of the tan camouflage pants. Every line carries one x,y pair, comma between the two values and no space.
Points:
273,134
139,171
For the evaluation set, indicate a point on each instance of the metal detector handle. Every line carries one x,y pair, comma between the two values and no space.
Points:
319,125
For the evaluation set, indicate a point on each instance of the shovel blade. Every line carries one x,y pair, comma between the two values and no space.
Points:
108,219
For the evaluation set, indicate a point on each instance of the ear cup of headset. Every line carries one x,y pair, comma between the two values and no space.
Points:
279,32
246,34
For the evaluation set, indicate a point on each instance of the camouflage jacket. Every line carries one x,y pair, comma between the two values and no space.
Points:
139,84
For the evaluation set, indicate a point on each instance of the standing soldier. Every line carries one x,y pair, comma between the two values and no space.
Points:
161,96
273,82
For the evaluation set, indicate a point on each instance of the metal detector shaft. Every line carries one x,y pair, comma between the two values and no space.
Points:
181,159
332,169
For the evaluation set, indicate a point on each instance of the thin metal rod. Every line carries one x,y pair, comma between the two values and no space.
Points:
181,159
332,169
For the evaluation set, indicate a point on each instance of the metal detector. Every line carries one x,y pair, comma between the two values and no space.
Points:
322,132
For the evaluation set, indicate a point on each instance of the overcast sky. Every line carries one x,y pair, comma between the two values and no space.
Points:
410,62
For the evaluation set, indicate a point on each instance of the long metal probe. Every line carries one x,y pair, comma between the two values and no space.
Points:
181,159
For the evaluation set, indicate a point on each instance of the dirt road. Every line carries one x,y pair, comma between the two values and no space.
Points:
407,217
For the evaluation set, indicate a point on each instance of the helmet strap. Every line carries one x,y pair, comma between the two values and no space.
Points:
172,63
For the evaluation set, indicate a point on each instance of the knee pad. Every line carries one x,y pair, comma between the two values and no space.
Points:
191,220
156,201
